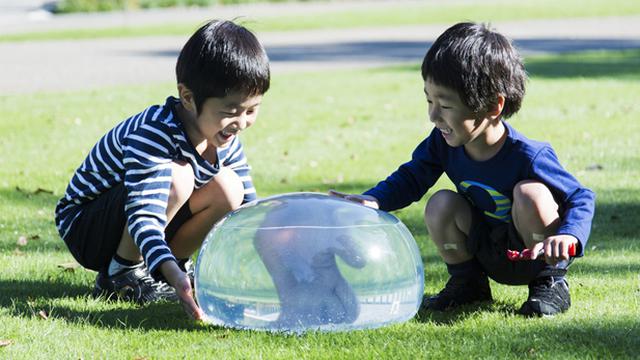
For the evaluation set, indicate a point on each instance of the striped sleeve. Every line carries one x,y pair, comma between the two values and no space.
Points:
236,160
147,159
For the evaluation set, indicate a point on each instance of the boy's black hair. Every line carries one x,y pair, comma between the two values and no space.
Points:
479,64
223,58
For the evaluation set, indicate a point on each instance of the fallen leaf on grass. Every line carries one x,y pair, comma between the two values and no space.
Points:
41,190
18,252
36,192
4,343
43,315
70,266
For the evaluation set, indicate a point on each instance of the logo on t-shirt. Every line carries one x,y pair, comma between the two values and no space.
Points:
489,200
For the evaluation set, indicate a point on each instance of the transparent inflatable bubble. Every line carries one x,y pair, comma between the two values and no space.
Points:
308,261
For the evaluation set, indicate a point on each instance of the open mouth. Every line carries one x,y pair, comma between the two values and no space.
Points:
227,134
445,131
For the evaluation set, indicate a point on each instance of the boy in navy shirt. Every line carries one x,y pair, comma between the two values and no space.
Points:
512,192
152,187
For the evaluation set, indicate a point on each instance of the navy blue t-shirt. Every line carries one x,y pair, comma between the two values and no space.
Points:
489,184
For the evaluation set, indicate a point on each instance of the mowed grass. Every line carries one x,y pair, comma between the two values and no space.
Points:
344,130
391,14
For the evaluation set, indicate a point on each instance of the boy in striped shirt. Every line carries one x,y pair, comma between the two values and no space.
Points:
152,187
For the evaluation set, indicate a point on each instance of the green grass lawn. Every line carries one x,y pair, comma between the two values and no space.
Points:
431,12
344,130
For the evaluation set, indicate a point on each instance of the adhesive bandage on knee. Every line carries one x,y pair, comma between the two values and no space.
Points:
450,246
537,237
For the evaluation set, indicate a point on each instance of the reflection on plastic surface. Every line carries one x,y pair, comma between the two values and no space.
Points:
308,261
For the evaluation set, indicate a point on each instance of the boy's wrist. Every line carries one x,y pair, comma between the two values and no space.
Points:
171,271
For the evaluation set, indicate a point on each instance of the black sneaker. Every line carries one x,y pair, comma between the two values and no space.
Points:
547,296
134,285
459,291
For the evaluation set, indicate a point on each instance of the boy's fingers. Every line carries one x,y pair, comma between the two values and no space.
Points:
190,307
535,250
337,193
185,293
355,198
565,251
552,250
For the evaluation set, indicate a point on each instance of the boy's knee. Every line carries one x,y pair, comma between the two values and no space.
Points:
441,205
531,196
182,182
231,189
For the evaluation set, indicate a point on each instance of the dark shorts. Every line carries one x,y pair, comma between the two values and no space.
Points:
95,235
489,245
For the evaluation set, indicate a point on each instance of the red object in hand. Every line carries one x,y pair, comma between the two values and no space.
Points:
515,255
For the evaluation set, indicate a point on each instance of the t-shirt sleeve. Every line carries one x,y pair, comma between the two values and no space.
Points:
237,161
147,160
412,179
576,201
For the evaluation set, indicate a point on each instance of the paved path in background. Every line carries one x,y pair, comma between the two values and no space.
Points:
84,64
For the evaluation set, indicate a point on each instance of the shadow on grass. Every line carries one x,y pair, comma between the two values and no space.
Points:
463,312
616,221
565,60
588,65
599,64
29,198
557,338
28,297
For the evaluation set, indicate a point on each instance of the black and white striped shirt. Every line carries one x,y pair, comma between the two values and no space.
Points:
139,152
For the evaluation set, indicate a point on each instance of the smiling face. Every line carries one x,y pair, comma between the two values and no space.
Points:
482,133
457,123
219,119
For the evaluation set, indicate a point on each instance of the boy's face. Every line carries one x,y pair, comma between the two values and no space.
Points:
458,124
221,119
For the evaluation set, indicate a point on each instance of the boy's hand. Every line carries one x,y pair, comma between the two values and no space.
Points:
366,200
180,281
555,248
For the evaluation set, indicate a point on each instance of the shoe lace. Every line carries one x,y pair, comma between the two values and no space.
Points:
158,286
542,287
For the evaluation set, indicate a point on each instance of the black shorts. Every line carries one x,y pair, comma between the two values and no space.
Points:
95,235
489,246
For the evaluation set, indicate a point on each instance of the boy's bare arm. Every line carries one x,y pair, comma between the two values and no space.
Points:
366,200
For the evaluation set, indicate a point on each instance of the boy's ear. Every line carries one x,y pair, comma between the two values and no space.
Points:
186,97
496,108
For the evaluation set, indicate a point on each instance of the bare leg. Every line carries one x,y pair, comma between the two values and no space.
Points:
181,188
535,212
208,204
536,217
448,219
